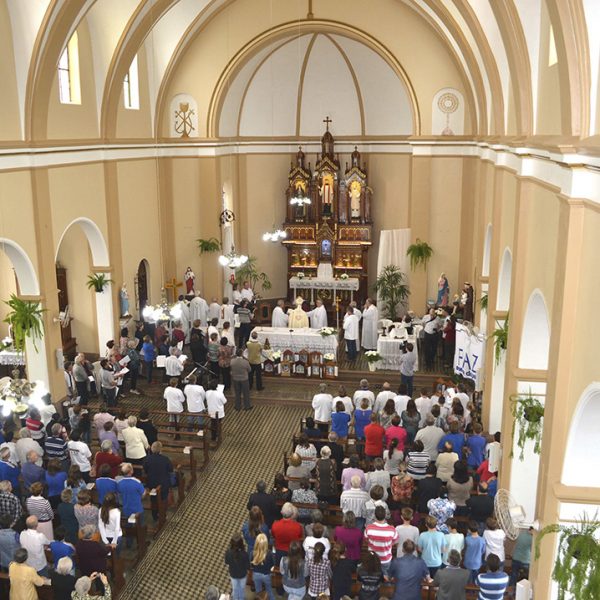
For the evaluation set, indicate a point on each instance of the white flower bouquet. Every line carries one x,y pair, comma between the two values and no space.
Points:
276,355
327,331
329,356
300,275
372,356
344,276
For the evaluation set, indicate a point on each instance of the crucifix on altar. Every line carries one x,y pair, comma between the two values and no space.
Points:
173,285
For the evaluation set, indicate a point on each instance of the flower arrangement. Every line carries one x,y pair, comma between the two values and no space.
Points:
276,355
329,356
300,275
344,276
372,356
327,331
6,343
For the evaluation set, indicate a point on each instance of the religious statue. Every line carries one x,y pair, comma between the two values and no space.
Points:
355,192
443,291
298,318
124,300
467,302
189,279
326,192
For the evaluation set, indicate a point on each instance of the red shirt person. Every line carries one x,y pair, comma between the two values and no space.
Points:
374,434
287,529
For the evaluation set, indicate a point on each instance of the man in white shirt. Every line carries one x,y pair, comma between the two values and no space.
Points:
355,310
246,292
215,405
344,399
351,333
401,400
408,364
430,435
279,318
423,403
24,445
462,395
173,366
322,404
370,316
432,324
80,455
33,541
214,310
195,396
318,316
384,395
363,392
175,399
199,310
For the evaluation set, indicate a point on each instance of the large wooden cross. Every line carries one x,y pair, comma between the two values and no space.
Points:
173,284
327,120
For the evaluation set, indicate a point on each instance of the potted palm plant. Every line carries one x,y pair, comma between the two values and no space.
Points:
419,254
98,281
577,563
249,271
391,289
25,318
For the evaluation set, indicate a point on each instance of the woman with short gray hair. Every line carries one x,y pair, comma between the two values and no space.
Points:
84,584
63,582
136,442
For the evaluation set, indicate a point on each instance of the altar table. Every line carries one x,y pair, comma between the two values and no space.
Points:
282,338
321,283
12,358
389,349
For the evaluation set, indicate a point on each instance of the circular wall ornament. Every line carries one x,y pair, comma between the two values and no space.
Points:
448,103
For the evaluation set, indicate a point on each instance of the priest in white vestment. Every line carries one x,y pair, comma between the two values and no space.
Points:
318,316
279,318
247,293
351,333
214,310
370,316
199,310
184,318
227,314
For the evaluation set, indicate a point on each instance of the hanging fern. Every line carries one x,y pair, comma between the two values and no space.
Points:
98,281
25,318
529,413
500,335
419,254
483,302
210,245
577,564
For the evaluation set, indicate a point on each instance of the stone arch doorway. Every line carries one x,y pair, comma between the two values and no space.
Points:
142,283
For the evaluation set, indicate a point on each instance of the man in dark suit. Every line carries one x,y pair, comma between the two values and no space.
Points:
337,453
158,468
266,503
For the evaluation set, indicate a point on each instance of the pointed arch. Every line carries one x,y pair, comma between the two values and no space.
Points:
504,280
535,336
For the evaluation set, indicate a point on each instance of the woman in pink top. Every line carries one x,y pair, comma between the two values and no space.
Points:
394,431
350,535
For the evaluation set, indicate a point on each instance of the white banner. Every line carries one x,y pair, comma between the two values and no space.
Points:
469,355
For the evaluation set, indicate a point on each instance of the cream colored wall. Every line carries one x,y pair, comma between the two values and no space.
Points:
506,187
9,101
76,121
392,23
74,256
139,225
8,286
137,123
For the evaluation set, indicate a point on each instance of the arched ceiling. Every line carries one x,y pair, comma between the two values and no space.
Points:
496,43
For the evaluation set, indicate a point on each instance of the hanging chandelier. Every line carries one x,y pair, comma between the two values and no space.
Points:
300,200
274,236
233,260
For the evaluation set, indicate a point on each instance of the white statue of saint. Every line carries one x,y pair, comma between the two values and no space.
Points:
298,318
355,190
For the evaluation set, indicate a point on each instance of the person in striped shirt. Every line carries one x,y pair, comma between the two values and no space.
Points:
355,500
494,582
381,538
417,461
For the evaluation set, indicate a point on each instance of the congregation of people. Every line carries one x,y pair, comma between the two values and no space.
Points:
412,481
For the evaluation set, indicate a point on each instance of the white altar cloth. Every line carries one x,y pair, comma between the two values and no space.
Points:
319,283
389,349
281,338
12,358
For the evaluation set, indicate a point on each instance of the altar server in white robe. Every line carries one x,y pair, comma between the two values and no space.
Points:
185,317
370,316
359,315
351,333
318,316
226,313
199,310
214,310
279,318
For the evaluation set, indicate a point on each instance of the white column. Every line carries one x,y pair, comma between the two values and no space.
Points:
37,361
104,317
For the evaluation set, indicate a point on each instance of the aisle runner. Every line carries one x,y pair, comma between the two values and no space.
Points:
188,555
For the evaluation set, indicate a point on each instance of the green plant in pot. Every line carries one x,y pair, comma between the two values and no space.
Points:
98,281
391,288
26,320
250,271
500,337
483,302
528,412
419,254
207,246
577,564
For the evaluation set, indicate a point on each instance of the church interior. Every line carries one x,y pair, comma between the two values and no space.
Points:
134,131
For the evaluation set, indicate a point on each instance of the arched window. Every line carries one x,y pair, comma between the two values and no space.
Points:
69,87
131,87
